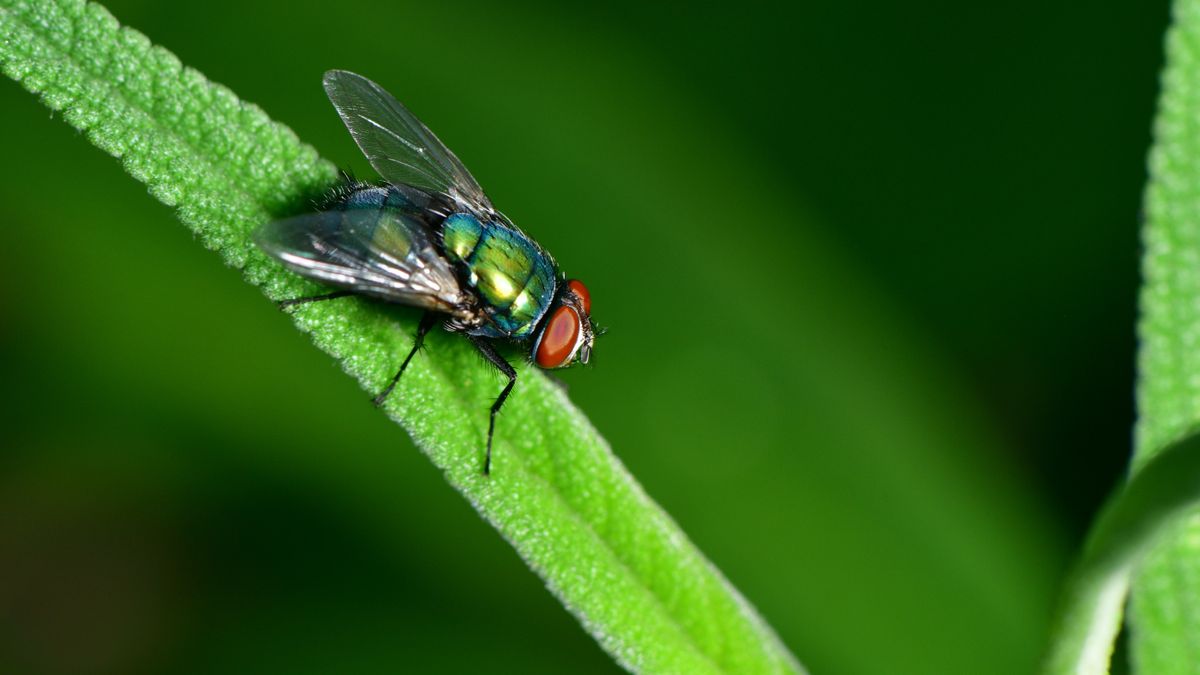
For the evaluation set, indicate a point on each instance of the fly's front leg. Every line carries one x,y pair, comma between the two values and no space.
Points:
489,352
427,321
284,304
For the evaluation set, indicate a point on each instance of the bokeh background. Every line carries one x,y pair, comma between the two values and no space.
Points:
870,275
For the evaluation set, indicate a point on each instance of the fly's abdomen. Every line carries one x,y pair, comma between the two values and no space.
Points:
372,241
512,277
399,224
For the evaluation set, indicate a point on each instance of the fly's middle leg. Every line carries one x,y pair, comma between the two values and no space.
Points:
493,357
427,322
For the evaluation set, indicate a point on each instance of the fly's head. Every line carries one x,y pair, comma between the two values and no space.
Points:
567,334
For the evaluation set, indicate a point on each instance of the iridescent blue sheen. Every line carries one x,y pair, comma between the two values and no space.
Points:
511,274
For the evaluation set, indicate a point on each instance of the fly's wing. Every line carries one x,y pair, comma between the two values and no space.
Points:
402,149
370,251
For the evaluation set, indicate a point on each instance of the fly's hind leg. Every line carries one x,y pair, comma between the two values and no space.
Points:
493,357
427,322
284,304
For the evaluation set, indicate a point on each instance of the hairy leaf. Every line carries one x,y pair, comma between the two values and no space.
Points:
557,493
1164,612
1146,509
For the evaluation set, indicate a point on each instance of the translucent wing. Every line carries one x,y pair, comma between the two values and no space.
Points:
402,149
382,253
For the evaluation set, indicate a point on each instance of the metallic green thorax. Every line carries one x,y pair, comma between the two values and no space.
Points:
513,277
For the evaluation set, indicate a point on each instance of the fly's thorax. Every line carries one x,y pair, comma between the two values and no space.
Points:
514,279
460,235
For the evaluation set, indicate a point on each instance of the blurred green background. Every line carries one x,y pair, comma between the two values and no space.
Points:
870,276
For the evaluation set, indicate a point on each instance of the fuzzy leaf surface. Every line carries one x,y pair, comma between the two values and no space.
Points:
1163,614
557,493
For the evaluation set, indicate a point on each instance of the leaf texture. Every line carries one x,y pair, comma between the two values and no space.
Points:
1145,511
557,493
1165,611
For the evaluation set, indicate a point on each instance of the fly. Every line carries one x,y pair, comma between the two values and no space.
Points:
429,237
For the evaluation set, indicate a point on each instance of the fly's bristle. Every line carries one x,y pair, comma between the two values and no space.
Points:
347,185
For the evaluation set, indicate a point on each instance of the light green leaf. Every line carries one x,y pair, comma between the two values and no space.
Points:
1147,508
557,493
1165,612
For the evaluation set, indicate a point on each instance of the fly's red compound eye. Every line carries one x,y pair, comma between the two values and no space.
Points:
579,289
558,340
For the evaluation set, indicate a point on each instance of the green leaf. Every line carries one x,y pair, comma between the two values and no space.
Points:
1147,508
1164,615
557,493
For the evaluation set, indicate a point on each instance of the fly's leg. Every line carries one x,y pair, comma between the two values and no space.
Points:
493,357
284,304
427,322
